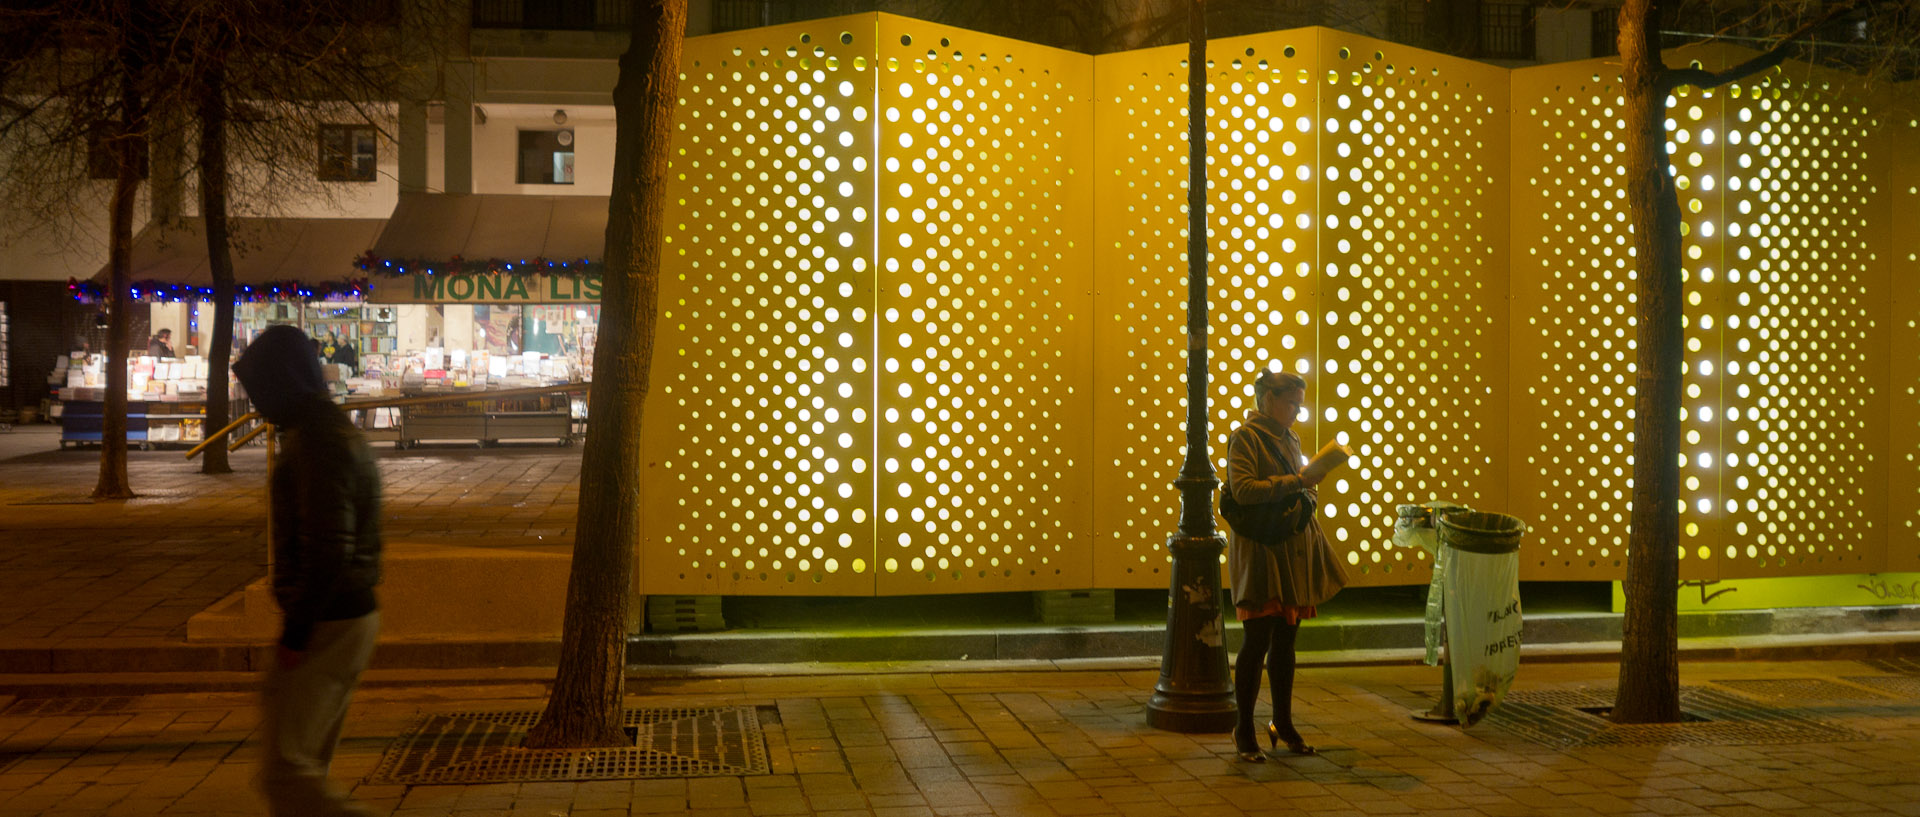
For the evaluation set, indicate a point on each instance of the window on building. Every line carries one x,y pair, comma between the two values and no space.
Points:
1506,31
546,157
349,153
1407,22
1606,31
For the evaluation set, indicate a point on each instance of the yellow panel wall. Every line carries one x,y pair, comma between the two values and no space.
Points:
1412,319
1357,205
1804,327
1262,207
1696,146
1573,322
1785,319
984,313
923,307
759,429
1903,194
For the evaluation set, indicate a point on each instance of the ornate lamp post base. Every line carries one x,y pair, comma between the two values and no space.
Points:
1195,692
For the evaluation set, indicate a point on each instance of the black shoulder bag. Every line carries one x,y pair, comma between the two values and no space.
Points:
1269,523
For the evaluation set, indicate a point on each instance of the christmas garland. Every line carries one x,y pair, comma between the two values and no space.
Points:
172,292
349,290
399,267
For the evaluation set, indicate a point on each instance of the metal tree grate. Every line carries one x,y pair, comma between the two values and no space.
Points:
1898,686
41,707
484,747
1896,666
1555,718
55,499
1800,690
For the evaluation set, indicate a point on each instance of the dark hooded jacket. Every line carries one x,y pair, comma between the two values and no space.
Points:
325,489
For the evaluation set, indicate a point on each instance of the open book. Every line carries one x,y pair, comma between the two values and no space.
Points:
1331,456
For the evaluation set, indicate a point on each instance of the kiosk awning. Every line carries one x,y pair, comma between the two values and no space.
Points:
438,226
265,250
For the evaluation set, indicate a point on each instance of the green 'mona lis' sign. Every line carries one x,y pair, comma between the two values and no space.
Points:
487,288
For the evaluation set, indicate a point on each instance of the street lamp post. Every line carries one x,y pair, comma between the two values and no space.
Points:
1195,693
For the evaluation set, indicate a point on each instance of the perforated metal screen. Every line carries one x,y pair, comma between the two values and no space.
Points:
1412,275
984,313
1803,327
1903,462
760,429
1263,209
1358,217
1786,290
922,324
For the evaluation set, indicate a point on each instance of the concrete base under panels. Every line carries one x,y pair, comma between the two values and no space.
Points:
1858,633
1597,631
428,593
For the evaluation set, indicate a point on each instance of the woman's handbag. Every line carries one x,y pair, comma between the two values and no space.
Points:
1270,523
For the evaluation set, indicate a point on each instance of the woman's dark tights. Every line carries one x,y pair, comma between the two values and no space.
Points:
1269,642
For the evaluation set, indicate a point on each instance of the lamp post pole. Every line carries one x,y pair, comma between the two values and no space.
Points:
1195,693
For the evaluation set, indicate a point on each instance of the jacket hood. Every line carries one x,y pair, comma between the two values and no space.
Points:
282,375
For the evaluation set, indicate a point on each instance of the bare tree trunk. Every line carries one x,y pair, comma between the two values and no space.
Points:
586,707
129,146
1650,641
1649,649
212,111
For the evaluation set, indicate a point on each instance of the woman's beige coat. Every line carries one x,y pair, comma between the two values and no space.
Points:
1302,572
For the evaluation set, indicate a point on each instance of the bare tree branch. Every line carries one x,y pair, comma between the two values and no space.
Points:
1674,78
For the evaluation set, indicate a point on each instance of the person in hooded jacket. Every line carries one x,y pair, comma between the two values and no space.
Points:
324,494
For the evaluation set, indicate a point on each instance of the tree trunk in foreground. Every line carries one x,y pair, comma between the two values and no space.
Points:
212,111
1650,639
1649,648
129,142
586,706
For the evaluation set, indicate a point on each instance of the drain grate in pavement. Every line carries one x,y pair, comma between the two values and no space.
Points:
1556,718
1898,686
1897,666
55,499
1800,690
41,707
484,747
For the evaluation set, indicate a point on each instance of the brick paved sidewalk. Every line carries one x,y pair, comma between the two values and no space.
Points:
138,569
1034,743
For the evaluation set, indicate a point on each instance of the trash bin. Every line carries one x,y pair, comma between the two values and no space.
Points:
1480,562
1414,527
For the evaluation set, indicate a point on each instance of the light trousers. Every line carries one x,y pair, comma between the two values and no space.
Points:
302,710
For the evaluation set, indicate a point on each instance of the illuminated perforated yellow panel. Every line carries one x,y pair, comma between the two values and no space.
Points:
759,430
1573,357
1804,328
1780,337
1903,499
984,313
922,312
1357,210
1696,142
1573,322
1412,276
1262,300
